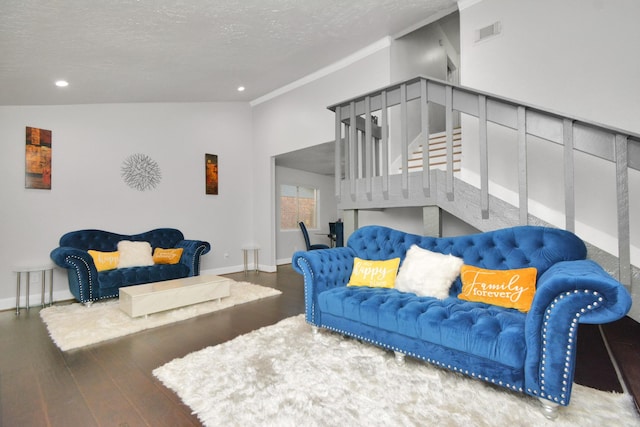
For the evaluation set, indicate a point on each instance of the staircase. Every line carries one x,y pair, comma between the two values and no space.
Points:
437,154
459,183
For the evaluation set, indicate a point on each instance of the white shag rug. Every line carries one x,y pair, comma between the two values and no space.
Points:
283,375
75,325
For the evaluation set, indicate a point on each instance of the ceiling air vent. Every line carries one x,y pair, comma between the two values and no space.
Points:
488,31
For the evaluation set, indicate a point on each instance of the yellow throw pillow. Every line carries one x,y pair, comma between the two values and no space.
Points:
105,260
506,288
167,256
375,274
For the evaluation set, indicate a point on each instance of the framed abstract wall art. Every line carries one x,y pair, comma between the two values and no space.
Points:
211,173
38,159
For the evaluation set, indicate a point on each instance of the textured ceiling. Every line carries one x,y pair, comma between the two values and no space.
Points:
183,50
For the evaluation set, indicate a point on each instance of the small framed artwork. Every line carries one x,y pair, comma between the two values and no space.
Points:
38,159
211,173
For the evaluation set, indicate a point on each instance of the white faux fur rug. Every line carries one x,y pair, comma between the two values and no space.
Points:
282,375
75,325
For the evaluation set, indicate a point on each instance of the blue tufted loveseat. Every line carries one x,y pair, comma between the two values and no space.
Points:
533,353
88,285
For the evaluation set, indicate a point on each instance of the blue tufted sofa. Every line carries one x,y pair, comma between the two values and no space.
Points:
88,285
533,353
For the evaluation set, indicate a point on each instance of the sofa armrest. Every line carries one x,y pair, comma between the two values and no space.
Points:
83,276
569,293
192,251
322,269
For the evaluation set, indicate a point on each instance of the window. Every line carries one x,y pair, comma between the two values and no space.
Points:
298,204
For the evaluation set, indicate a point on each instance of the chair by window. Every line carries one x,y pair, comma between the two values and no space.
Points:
305,234
336,233
332,233
339,234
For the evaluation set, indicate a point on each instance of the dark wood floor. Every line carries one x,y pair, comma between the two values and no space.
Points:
111,384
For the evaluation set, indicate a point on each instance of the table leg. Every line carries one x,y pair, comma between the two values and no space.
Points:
18,293
28,282
255,259
51,287
43,283
246,261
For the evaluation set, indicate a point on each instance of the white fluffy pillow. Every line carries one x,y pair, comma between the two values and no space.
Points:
134,254
427,273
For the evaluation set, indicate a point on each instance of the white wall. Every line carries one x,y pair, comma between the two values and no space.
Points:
289,241
408,220
89,144
575,57
299,119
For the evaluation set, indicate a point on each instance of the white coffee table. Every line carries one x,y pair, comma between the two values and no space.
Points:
150,298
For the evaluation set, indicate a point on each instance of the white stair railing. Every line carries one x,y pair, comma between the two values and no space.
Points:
369,183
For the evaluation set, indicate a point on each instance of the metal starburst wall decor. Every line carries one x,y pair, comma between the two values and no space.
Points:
140,172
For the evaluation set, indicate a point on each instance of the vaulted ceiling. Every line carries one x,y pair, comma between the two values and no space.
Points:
116,51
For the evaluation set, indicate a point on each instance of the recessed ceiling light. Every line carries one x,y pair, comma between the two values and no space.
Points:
240,88
62,83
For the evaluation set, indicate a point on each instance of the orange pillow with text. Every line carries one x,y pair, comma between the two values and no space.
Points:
505,288
105,260
167,256
375,274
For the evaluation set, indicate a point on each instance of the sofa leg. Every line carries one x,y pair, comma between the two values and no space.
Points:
399,358
549,409
88,304
315,330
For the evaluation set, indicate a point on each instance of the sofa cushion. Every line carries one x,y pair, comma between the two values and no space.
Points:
375,274
167,256
506,288
105,260
134,254
138,275
427,273
486,331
